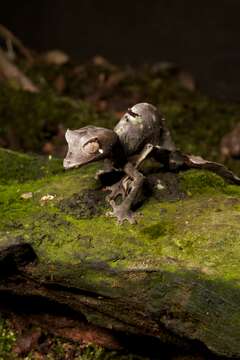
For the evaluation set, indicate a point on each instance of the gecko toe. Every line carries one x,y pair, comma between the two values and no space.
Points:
121,213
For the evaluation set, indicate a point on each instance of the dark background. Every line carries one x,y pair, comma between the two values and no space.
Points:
202,36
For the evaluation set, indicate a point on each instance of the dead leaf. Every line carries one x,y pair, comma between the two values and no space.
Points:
46,198
27,195
55,57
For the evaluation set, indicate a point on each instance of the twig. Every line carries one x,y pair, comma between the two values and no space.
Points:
11,39
9,71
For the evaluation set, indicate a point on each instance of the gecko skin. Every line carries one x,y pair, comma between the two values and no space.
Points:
140,133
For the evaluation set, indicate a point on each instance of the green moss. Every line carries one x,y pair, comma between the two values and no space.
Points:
20,168
7,340
159,231
29,120
201,182
195,240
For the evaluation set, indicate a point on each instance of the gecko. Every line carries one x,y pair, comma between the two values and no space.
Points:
140,133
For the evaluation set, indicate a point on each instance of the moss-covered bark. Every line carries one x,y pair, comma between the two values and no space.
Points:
174,275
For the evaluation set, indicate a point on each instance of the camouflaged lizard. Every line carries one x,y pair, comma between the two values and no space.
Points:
139,134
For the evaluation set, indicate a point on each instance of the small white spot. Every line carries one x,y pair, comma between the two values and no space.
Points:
101,151
160,186
44,199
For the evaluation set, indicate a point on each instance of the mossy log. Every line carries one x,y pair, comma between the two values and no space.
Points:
173,276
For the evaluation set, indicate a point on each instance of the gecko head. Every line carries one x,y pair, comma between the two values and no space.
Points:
88,144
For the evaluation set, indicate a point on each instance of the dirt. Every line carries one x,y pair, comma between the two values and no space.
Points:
87,203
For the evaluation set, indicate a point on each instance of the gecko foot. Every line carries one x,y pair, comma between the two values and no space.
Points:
120,189
121,213
116,191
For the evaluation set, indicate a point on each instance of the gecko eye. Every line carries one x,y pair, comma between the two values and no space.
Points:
92,147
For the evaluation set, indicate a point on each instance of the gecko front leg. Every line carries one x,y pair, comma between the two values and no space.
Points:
132,186
128,188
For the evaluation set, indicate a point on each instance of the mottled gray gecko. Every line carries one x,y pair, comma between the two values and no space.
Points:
140,133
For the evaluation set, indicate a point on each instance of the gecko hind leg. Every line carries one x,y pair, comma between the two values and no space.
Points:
128,188
118,190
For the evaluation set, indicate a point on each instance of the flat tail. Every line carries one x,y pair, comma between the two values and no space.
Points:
197,162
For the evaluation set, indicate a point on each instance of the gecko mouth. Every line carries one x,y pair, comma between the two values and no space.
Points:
68,165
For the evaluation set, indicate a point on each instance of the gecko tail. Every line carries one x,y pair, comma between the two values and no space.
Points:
197,162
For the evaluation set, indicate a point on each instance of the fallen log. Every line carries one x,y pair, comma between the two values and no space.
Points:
174,276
